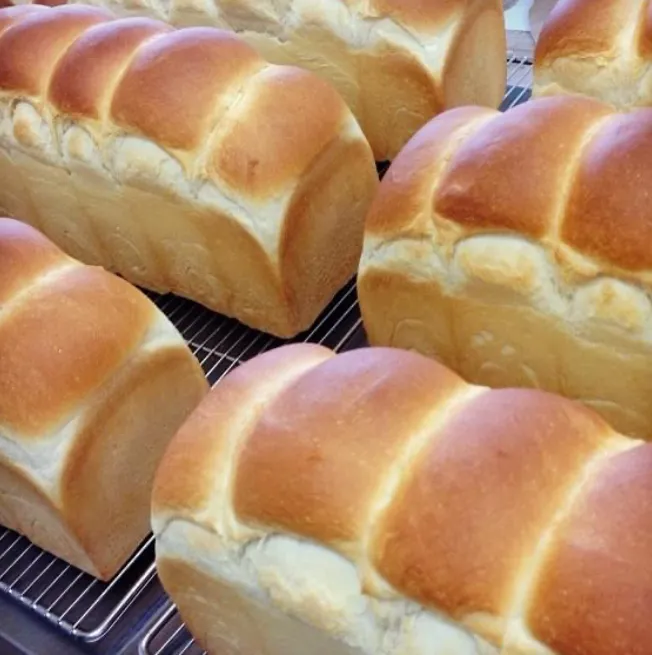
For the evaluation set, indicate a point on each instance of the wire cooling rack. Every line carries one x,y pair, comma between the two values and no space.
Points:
168,635
75,602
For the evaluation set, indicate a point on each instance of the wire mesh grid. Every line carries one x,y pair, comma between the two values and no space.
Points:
74,601
168,635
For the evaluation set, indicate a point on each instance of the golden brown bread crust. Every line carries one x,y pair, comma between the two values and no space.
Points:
514,248
30,50
600,560
396,64
69,363
11,14
608,215
599,48
524,151
82,83
93,383
511,455
645,34
398,203
586,27
182,482
142,150
152,96
278,147
388,396
475,504
24,254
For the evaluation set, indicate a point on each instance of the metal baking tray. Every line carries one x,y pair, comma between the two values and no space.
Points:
79,614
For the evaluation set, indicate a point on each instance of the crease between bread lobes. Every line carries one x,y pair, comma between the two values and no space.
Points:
183,161
599,49
94,382
396,63
514,248
373,503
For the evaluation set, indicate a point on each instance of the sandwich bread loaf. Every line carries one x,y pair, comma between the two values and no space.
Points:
397,63
373,503
598,48
94,381
183,161
517,249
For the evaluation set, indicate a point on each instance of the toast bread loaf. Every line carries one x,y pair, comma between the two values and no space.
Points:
183,161
515,248
94,382
373,503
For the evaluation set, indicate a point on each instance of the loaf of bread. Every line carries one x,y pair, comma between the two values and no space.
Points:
396,62
515,248
183,161
598,48
373,503
94,382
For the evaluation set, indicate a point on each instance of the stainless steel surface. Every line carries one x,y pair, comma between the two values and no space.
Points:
168,635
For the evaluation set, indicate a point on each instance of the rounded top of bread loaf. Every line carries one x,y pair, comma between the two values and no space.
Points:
595,28
177,88
481,505
32,45
566,171
64,328
395,63
10,14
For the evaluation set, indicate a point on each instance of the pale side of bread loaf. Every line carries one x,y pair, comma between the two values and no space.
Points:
373,503
397,63
183,161
515,248
598,48
94,382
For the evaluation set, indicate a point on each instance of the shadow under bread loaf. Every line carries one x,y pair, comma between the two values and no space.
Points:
183,161
373,503
600,49
515,248
397,63
94,381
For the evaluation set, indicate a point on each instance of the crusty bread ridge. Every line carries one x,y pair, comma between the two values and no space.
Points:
515,248
599,48
94,381
397,63
183,161
373,503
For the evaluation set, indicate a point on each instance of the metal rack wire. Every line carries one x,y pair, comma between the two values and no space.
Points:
168,635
